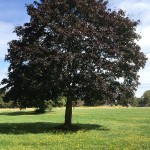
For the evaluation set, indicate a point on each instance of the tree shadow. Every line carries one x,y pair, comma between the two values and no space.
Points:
46,127
17,113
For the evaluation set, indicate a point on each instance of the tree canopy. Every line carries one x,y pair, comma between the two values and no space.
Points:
75,48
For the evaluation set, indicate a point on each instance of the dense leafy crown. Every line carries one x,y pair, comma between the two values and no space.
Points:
77,48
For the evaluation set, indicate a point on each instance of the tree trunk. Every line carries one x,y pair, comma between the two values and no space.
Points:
68,113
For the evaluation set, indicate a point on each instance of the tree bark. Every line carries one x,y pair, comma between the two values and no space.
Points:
68,113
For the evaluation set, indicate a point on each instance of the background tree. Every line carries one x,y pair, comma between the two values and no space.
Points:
145,99
135,102
73,48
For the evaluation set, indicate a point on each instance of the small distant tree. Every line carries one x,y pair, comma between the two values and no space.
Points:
146,98
77,48
61,101
135,102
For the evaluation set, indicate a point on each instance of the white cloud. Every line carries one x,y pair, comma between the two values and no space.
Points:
133,5
148,56
144,78
3,73
6,35
145,40
136,9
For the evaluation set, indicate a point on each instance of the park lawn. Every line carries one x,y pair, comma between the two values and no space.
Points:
100,129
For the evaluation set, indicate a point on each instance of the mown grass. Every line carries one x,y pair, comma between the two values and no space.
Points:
100,128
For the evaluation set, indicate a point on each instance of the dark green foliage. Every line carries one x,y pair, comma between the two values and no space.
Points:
93,102
78,48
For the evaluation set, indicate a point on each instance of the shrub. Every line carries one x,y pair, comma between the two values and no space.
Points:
46,105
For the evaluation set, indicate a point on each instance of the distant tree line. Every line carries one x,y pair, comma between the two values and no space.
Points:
143,101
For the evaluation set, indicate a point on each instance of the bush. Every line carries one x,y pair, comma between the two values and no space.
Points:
46,105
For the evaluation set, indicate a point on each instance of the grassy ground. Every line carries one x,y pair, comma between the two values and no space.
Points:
101,129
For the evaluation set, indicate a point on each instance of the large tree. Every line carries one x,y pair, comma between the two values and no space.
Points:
75,48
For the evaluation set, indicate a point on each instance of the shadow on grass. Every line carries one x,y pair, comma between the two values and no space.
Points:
45,127
22,112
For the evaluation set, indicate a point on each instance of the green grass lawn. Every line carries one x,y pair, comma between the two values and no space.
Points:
101,129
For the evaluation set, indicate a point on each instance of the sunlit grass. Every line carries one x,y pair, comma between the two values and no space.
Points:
100,128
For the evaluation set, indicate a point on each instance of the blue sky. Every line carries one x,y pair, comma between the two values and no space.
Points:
13,13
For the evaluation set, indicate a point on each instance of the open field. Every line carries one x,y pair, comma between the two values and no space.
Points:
101,129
